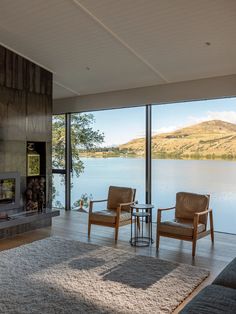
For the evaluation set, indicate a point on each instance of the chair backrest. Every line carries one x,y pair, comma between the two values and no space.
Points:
118,195
189,203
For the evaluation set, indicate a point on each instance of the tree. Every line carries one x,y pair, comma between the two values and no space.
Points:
83,136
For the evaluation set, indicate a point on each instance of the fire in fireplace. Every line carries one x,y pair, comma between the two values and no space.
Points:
9,190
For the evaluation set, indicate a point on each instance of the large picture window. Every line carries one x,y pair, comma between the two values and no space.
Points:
193,149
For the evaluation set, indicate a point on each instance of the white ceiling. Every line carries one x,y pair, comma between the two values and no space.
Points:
95,46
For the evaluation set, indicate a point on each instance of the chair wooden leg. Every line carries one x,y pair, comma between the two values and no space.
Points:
89,229
116,233
194,247
157,241
158,224
211,227
195,235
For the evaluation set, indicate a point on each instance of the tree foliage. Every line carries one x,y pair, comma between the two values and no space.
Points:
83,137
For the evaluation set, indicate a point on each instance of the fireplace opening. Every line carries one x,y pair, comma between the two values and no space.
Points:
9,190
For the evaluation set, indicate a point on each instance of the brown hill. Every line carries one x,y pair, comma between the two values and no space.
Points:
210,139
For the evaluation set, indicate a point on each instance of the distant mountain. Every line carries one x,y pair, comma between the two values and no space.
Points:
210,139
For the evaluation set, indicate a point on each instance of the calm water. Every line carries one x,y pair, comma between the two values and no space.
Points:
217,178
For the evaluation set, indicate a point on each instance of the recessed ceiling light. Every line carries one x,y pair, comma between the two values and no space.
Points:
207,43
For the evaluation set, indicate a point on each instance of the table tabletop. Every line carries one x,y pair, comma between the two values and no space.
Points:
142,206
140,214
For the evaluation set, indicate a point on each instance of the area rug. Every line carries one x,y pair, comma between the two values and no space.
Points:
56,275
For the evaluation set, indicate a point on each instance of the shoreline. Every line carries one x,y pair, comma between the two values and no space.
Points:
155,156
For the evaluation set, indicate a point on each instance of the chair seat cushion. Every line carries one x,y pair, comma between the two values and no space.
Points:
182,227
213,299
108,216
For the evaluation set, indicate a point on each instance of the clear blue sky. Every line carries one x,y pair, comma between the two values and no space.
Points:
122,125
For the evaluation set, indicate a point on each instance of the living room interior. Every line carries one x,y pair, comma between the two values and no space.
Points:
117,156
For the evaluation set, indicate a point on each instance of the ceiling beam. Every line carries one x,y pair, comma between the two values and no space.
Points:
210,88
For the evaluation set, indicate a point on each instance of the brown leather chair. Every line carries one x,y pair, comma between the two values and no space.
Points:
190,223
117,212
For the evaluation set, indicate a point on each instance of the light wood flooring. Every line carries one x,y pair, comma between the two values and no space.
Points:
73,225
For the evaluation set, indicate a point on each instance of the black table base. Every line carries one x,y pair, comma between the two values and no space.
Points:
141,241
141,236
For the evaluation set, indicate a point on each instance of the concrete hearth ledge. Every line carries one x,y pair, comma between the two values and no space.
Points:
27,217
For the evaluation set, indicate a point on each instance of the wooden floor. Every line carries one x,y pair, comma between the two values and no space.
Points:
73,225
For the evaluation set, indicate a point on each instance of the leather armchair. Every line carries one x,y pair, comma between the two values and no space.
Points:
117,211
190,223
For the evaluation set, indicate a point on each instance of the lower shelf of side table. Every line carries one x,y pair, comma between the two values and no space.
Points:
141,241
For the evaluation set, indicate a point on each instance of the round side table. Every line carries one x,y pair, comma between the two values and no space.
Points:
141,225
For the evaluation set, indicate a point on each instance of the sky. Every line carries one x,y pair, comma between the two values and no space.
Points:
123,125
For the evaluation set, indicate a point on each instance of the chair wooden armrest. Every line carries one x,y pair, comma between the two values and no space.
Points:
208,211
122,205
91,204
98,201
197,216
126,204
160,210
168,208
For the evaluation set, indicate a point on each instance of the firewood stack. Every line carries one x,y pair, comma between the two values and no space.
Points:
35,195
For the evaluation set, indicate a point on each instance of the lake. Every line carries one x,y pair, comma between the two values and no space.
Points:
214,177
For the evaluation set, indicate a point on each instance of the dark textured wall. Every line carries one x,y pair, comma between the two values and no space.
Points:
25,113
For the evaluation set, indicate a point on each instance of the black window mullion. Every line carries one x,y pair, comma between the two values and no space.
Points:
148,155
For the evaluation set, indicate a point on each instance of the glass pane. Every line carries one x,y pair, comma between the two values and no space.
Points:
58,160
194,150
108,149
58,190
58,141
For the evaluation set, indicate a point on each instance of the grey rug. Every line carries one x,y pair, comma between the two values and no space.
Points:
56,275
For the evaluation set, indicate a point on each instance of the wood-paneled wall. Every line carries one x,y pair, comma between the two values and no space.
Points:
18,73
25,113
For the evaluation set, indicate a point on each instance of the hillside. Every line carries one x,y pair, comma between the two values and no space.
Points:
210,139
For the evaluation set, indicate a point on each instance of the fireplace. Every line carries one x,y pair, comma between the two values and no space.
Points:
9,190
